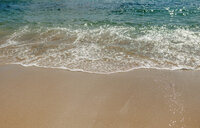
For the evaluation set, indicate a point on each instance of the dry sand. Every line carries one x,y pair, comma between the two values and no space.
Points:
32,97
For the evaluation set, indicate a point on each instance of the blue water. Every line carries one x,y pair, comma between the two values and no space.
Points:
101,36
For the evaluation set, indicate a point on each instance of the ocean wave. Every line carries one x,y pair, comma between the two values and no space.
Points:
103,49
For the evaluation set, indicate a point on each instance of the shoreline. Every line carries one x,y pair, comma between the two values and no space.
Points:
104,73
37,97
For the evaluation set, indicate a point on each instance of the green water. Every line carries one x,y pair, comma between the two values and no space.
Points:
101,36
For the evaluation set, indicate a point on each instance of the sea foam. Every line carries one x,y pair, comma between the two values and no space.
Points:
104,49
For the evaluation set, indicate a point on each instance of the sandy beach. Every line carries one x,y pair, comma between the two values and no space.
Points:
32,97
99,63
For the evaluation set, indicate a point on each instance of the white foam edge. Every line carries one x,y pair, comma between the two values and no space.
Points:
104,73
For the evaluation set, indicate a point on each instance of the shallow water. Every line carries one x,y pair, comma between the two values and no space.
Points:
101,36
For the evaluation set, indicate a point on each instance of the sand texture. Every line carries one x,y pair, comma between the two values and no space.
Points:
32,97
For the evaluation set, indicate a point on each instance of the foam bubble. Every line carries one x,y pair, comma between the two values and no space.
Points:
104,49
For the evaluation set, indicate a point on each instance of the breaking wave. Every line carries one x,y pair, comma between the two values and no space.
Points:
104,49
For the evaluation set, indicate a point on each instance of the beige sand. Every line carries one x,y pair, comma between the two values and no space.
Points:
33,97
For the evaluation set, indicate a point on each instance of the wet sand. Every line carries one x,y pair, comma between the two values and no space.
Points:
32,97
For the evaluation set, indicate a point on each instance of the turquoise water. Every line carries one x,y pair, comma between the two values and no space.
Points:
101,36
